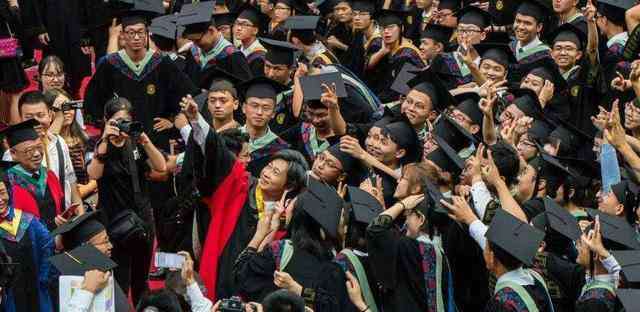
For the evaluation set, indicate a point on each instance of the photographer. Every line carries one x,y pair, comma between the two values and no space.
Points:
121,158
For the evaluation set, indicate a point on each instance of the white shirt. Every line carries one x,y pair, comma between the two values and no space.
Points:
80,301
251,48
534,43
621,37
197,301
52,153
481,197
519,276
477,230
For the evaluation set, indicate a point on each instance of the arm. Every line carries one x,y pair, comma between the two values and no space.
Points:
491,175
298,95
488,126
95,169
592,34
377,57
156,159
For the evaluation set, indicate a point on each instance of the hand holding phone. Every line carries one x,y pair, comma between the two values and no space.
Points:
168,260
70,212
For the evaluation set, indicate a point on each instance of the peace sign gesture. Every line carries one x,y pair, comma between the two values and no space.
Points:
486,104
329,97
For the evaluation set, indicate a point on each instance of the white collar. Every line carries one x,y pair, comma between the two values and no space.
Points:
252,47
359,253
621,37
604,278
534,43
519,276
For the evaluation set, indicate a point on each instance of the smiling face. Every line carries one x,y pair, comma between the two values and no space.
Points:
565,54
533,82
102,243
492,70
526,28
28,154
609,204
417,107
40,112
273,177
382,148
327,168
4,198
52,77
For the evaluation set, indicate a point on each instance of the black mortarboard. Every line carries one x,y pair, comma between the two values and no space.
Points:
561,220
452,5
571,33
547,69
446,157
82,259
390,17
539,131
365,206
323,204
312,85
363,6
79,230
164,27
617,230
454,134
217,75
468,104
347,161
407,72
629,261
503,11
527,101
252,14
225,18
475,16
431,84
625,195
261,87
431,204
536,9
279,52
497,52
402,133
437,33
571,138
196,17
302,22
515,237
629,298
614,10
21,132
142,12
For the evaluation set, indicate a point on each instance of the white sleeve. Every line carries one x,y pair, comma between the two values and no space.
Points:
611,264
477,230
185,132
481,197
197,301
80,301
200,131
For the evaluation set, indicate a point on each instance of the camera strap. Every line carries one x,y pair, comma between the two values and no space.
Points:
61,167
133,170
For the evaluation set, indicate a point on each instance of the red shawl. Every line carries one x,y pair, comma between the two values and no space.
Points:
24,200
225,206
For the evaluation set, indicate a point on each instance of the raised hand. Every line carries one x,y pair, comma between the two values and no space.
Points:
546,94
189,108
328,96
459,210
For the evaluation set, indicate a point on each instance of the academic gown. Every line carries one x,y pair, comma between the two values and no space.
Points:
254,274
153,92
361,50
279,32
343,33
389,67
612,62
564,280
12,76
582,94
507,300
597,297
44,204
456,66
284,118
30,246
225,186
223,56
526,56
407,269
261,156
374,284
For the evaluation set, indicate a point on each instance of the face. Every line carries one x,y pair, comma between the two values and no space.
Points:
565,54
609,204
430,48
448,19
391,34
526,183
69,115
414,223
135,37
526,28
52,77
562,6
281,12
423,4
265,6
327,168
41,113
532,82
361,20
512,112
382,148
258,111
526,148
102,243
417,107
278,72
225,30
471,33
29,154
404,187
463,120
319,118
244,156
221,105
492,70
273,177
204,40
343,13
243,29
4,198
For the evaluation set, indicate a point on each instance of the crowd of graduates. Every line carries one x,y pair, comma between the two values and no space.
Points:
320,155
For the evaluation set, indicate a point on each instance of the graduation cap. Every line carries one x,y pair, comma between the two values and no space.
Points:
253,15
539,131
215,76
222,19
279,52
629,261
453,133
312,85
468,104
569,32
446,157
452,5
571,137
629,298
616,230
302,22
561,220
431,207
196,17
474,15
614,10
82,259
79,230
547,69
625,195
405,136
497,52
537,9
142,12
515,237
323,204
526,100
164,27
21,132
503,11
390,17
363,6
437,33
261,87
347,161
365,207
431,84
407,72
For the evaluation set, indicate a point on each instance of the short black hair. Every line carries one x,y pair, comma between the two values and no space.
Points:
509,261
296,170
234,139
115,105
164,300
507,161
283,301
31,98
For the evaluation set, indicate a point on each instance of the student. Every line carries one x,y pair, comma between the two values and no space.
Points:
529,26
303,36
246,29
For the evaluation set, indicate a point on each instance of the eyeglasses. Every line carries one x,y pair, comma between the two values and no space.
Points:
565,49
52,76
468,30
329,163
361,13
281,8
30,151
132,34
243,24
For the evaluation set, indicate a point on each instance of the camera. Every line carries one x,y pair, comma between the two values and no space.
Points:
72,105
232,304
132,128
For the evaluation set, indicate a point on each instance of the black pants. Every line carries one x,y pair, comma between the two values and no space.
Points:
133,262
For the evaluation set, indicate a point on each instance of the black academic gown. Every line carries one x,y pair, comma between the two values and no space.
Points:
230,59
564,280
364,261
343,33
301,142
506,299
12,76
156,92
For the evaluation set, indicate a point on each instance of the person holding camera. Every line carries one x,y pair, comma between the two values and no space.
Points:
122,157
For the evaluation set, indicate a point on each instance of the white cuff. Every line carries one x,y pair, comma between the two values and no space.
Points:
198,302
481,197
477,230
611,264
185,132
81,300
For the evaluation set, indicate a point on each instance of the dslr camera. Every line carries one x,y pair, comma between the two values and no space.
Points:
132,128
72,105
233,304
